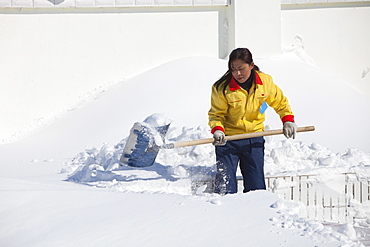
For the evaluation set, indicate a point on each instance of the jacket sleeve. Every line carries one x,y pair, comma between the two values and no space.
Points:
217,113
277,100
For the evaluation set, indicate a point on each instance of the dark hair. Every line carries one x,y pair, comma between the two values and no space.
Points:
239,53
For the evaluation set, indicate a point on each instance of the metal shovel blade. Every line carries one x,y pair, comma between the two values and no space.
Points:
140,149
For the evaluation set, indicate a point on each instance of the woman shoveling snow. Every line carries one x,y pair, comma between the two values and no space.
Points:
238,104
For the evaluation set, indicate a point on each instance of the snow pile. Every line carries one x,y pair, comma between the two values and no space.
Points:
173,171
101,167
289,157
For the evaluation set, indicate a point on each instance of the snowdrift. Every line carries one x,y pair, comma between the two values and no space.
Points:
44,176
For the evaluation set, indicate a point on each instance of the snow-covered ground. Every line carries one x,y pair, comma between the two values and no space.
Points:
62,185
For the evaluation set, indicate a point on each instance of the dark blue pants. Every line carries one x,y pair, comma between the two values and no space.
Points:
249,153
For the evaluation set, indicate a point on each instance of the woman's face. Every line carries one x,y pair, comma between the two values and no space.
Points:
241,70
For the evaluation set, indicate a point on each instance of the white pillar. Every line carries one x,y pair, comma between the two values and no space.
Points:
255,24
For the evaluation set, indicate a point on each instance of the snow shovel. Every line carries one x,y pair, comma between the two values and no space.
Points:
141,150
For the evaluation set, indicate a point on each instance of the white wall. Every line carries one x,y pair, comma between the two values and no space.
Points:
256,25
337,39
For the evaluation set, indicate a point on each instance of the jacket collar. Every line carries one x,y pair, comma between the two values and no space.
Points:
234,85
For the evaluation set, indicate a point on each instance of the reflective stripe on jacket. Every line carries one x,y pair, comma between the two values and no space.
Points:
236,111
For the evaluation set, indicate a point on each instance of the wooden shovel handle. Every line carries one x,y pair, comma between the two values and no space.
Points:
240,136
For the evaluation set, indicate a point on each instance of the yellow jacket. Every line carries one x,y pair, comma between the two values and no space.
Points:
236,111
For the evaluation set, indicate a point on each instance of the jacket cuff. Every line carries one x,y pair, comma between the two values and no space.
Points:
217,128
288,118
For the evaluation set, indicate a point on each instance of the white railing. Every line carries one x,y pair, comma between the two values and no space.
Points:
332,200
